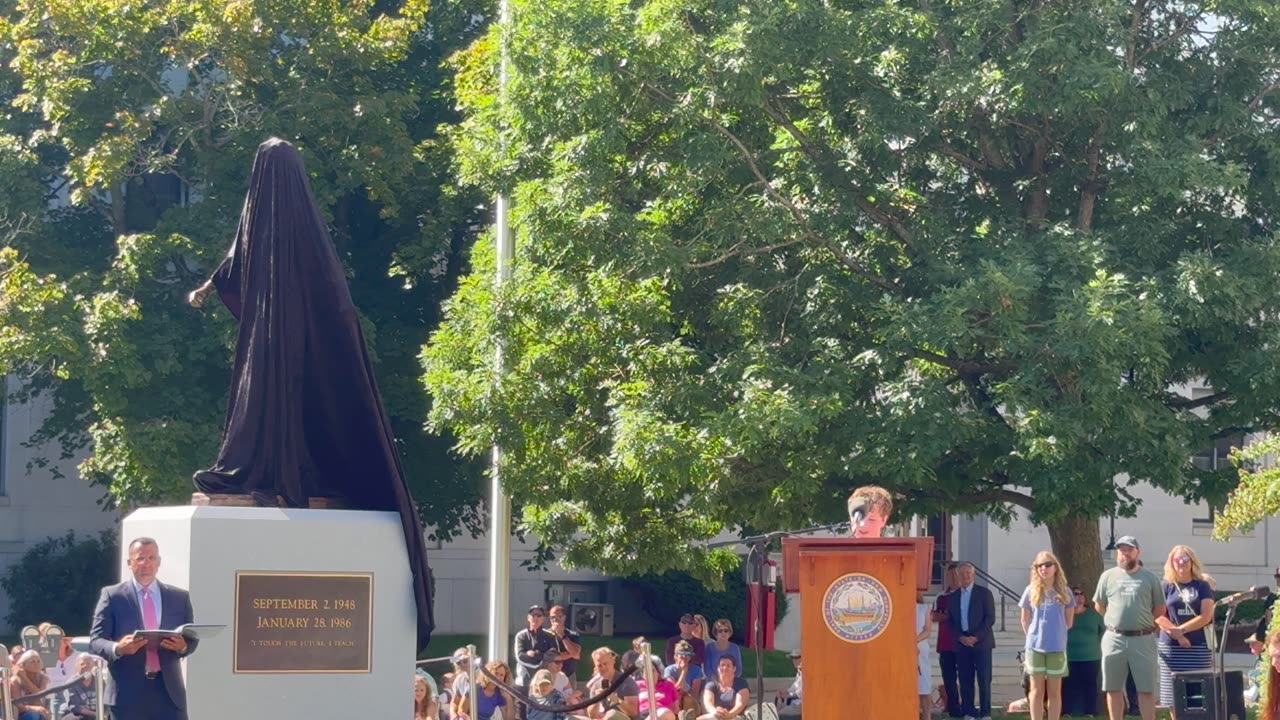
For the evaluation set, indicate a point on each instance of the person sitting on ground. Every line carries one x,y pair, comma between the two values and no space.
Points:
1272,710
425,704
621,704
725,695
687,625
542,690
82,698
687,676
701,630
459,687
792,695
28,679
553,662
664,694
489,697
632,656
721,631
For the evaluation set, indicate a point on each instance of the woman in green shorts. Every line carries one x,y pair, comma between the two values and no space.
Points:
1046,616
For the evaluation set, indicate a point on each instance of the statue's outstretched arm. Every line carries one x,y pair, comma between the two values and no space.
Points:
197,296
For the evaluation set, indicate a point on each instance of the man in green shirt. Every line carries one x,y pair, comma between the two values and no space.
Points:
1129,598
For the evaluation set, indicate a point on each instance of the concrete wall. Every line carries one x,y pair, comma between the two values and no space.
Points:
35,504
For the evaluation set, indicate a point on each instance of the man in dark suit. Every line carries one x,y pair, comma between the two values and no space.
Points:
147,678
971,615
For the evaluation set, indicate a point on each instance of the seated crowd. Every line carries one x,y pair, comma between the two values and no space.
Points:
700,678
27,675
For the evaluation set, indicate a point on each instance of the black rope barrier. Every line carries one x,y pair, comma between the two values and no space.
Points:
522,697
49,691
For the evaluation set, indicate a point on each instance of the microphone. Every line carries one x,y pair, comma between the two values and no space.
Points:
858,513
1252,594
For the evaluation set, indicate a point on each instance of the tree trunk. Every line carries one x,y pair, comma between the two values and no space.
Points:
1075,541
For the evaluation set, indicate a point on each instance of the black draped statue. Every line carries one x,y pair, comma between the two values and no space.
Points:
305,419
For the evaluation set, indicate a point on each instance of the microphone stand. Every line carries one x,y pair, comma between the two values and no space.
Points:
757,560
1220,673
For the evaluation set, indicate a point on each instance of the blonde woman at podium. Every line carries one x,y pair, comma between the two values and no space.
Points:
870,508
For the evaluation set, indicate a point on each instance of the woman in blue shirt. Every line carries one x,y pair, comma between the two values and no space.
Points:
1047,613
720,646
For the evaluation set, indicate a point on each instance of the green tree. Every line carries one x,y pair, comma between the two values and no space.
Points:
1258,495
147,115
768,251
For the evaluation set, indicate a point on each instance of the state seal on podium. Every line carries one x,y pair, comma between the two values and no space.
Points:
857,607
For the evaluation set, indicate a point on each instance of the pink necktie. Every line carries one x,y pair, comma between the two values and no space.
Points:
150,622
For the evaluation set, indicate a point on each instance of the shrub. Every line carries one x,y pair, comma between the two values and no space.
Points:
1248,612
668,596
58,580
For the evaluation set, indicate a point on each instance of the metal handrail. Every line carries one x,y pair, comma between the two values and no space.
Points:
1004,591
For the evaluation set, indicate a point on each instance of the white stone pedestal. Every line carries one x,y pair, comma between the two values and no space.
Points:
202,549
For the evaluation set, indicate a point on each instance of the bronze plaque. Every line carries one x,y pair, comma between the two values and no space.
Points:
303,623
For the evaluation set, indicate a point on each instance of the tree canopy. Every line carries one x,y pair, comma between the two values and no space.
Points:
767,251
139,122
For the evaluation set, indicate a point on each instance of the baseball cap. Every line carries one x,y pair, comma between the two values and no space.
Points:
793,654
1129,540
686,618
536,608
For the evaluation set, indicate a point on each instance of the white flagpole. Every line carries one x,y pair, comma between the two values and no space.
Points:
499,503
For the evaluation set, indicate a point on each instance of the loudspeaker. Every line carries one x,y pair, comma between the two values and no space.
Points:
1195,695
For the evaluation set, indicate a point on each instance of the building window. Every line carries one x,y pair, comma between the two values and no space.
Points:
1215,458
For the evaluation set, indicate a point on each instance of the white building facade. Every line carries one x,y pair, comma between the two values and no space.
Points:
39,502
1163,521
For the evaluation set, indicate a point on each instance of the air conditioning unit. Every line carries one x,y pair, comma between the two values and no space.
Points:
591,618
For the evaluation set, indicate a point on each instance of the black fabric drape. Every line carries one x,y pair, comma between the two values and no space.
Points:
304,418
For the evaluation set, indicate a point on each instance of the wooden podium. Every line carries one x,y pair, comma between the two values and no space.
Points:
858,623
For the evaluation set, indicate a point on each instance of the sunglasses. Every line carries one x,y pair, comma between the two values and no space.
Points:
1181,560
1045,564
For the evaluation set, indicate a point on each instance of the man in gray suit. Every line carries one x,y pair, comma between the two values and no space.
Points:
147,677
971,615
